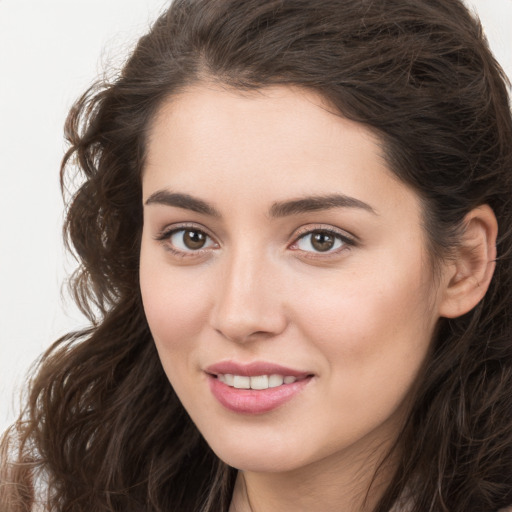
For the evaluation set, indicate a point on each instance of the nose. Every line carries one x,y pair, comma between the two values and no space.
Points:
248,304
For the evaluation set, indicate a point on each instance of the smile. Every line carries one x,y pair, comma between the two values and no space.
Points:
258,382
255,388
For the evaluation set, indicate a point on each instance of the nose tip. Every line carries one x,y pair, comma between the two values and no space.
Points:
243,329
248,305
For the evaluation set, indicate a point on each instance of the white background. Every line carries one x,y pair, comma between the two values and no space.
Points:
50,51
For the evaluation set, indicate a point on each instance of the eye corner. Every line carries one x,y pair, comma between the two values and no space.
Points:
329,242
185,240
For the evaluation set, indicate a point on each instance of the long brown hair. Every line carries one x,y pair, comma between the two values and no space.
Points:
103,429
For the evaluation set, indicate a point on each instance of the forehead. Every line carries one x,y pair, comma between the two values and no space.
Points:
276,143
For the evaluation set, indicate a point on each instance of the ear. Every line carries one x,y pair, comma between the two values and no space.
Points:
471,269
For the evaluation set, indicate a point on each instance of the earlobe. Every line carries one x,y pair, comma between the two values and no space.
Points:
473,264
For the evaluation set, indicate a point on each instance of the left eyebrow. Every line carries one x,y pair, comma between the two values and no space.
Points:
317,203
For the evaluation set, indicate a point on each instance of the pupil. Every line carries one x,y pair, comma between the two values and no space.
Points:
194,239
322,241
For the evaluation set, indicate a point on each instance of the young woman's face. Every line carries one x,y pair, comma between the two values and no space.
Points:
280,253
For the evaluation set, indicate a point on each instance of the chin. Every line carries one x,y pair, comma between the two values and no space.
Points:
258,456
264,455
260,463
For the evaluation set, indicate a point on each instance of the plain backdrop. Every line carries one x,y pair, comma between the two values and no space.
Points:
50,51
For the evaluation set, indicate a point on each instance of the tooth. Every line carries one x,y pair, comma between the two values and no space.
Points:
275,380
289,380
229,379
259,382
241,382
221,377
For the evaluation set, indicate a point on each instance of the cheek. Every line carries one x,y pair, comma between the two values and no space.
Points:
373,328
373,345
175,319
174,304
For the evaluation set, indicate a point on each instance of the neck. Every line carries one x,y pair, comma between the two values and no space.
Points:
351,484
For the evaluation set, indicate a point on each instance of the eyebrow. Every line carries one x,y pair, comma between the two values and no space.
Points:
279,209
186,201
317,203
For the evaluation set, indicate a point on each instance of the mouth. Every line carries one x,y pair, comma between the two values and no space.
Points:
255,388
258,382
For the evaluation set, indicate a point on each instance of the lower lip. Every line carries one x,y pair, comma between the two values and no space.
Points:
250,401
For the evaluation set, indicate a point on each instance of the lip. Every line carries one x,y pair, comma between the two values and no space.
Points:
250,401
253,369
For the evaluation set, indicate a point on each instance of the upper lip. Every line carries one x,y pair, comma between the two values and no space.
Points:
253,369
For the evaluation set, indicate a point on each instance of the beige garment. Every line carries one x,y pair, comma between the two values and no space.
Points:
405,506
401,507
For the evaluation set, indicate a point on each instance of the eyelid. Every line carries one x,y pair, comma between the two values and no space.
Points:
308,228
165,234
348,239
165,231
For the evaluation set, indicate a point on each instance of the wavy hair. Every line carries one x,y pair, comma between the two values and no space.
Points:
103,429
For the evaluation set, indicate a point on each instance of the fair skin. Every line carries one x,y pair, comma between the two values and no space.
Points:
339,291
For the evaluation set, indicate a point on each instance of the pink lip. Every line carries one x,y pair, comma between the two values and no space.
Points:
250,401
253,369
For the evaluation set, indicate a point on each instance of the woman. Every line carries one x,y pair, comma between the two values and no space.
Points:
295,235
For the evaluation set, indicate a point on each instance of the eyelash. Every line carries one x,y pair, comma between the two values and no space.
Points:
165,236
346,242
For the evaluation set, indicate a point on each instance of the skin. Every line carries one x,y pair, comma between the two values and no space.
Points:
359,317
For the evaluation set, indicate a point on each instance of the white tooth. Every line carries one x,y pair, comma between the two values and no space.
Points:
275,380
229,379
241,382
221,377
259,382
289,380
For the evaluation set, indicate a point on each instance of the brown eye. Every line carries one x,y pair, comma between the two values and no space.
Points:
194,239
320,241
187,240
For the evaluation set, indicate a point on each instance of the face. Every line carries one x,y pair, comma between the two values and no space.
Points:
284,276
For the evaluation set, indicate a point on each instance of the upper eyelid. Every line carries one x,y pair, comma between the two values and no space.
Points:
165,234
308,229
173,228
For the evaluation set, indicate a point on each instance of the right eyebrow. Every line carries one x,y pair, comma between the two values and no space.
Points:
164,197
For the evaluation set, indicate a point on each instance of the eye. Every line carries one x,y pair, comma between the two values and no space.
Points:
321,241
188,239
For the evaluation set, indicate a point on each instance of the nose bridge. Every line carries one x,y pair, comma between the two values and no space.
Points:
246,303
